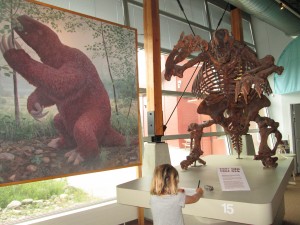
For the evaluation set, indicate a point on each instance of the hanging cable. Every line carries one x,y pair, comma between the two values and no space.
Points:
222,15
165,126
180,6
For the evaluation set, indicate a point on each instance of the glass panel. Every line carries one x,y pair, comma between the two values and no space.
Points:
140,1
176,118
58,3
41,198
171,30
247,32
184,114
142,68
209,145
87,7
256,141
180,84
194,10
198,12
215,16
176,83
137,20
110,10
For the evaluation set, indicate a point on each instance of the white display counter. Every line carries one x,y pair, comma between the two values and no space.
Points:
263,204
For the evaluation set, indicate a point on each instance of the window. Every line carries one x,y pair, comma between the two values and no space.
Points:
99,186
216,14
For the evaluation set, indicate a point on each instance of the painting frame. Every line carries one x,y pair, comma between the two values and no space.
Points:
112,49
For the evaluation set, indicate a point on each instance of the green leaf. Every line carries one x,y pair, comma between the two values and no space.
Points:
6,27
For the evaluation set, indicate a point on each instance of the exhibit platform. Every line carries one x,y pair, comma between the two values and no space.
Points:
263,204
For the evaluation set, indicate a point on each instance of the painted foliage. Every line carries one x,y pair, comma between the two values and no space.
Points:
68,93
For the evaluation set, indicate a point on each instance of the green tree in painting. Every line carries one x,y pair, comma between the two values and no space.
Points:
9,11
117,45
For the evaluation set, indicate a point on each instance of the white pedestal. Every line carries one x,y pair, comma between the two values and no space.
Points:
262,205
295,166
154,155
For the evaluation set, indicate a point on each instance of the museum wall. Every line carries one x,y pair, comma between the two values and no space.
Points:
270,40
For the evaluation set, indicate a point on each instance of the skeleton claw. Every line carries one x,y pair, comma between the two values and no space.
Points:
258,90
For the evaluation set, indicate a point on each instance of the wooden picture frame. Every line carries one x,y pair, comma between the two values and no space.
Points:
57,118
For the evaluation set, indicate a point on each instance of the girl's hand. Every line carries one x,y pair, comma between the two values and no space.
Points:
195,197
199,191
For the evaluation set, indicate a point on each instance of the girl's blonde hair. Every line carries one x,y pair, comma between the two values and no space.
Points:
165,180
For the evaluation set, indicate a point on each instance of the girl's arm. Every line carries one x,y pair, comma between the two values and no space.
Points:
195,197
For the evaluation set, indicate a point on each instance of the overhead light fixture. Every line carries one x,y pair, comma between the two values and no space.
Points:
281,5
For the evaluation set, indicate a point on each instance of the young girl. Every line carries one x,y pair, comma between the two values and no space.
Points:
166,199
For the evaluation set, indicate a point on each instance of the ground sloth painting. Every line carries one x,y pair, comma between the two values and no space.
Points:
67,78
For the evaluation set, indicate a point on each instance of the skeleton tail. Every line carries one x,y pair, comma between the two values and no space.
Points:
237,143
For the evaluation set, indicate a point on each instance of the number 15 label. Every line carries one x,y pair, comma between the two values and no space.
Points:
228,208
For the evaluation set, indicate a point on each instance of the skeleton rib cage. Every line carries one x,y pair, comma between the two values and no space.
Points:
210,81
